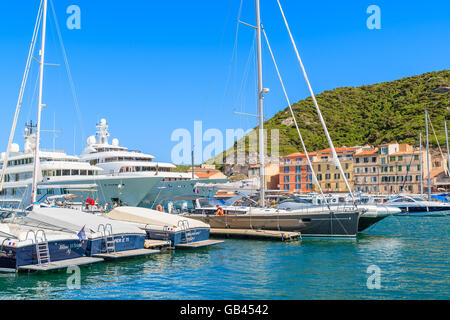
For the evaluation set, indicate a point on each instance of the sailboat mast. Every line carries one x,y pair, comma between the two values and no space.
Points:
40,105
448,151
428,155
260,104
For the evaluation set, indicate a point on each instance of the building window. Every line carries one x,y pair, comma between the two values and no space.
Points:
357,160
416,157
399,168
383,160
392,159
400,158
327,176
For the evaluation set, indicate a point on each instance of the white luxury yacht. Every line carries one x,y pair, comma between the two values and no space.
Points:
62,174
118,161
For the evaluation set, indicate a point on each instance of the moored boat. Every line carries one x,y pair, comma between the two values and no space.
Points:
159,225
22,245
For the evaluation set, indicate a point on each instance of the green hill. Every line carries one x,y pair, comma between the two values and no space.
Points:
372,114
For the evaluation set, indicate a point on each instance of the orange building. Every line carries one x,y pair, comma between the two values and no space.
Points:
295,173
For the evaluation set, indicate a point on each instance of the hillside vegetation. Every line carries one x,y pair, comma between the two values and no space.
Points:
372,114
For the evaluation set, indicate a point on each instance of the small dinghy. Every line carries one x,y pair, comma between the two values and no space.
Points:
104,236
179,230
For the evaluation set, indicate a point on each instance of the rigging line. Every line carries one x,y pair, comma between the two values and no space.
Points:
21,93
440,150
69,74
315,181
407,171
244,80
233,55
33,97
336,160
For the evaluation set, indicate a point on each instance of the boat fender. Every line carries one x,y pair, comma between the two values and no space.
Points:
159,208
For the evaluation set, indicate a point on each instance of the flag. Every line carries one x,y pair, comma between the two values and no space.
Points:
81,235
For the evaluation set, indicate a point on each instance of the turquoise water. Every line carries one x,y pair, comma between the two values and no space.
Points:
412,254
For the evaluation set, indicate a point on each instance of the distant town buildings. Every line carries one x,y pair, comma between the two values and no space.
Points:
386,169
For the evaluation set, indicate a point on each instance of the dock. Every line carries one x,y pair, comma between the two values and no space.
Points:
198,244
59,264
256,234
125,254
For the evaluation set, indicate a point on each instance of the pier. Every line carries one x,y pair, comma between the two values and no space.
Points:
55,265
198,244
126,254
256,234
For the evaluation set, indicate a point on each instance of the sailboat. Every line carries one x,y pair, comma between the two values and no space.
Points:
416,206
315,221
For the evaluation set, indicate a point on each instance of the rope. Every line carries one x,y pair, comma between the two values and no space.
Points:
440,150
293,116
69,74
330,142
21,92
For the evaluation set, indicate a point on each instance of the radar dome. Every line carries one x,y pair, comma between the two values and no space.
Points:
15,147
103,121
2,156
90,140
115,142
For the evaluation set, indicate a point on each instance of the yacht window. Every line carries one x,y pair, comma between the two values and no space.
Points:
58,173
90,172
83,172
66,172
75,172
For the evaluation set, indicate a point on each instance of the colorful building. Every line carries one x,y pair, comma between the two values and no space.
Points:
295,173
329,175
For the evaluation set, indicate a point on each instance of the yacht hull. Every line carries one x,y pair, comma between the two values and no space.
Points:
179,237
122,242
166,191
308,224
133,189
11,258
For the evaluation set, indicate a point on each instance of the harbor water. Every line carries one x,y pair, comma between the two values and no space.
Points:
410,256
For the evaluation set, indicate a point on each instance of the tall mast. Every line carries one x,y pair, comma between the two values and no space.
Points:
428,156
421,163
448,151
40,105
260,104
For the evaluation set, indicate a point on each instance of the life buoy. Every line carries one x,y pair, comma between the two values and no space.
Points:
219,211
159,208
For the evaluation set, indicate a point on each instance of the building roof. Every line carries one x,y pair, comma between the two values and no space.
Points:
433,174
367,152
299,154
338,150
206,174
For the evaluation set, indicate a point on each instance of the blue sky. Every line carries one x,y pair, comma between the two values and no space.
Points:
150,67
